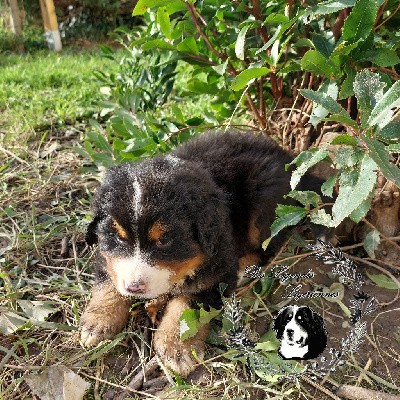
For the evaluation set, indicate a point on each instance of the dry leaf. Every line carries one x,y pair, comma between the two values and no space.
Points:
58,383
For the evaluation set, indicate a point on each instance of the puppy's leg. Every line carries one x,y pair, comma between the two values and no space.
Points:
105,315
174,353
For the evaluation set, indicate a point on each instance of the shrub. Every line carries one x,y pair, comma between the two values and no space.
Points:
299,69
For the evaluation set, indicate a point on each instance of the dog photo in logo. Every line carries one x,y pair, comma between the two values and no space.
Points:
301,331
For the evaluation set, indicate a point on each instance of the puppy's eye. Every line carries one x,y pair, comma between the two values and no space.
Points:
299,318
117,238
164,242
120,239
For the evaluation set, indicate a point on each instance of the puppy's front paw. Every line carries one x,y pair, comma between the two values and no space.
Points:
105,315
176,354
95,328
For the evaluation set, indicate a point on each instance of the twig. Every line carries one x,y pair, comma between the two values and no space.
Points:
359,393
171,135
387,19
117,386
362,260
137,381
10,153
385,237
387,70
319,387
192,11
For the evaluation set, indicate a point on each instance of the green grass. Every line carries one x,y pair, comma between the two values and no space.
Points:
48,89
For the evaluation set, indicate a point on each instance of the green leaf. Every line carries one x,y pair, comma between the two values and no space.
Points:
383,281
326,7
306,197
103,348
346,89
172,6
346,156
164,21
391,99
321,217
276,19
220,69
205,317
352,194
390,133
371,242
361,20
343,48
239,46
382,57
328,186
316,157
361,211
192,320
287,216
157,44
378,153
368,89
278,34
189,323
393,148
188,45
246,76
344,139
314,61
343,118
323,44
324,100
329,88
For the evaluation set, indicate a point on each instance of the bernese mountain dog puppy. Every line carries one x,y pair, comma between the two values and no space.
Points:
301,331
171,229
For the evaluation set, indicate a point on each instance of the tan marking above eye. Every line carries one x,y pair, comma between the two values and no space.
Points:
254,232
156,231
121,232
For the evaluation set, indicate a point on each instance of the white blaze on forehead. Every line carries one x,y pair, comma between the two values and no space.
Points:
173,160
137,197
136,269
299,332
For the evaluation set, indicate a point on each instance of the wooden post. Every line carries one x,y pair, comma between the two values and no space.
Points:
16,21
50,25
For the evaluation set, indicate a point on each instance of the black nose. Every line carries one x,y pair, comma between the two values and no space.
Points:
290,333
136,287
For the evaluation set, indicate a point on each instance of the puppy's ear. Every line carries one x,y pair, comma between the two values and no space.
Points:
319,325
213,225
91,232
278,323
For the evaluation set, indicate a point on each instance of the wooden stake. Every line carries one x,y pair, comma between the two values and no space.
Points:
50,25
16,20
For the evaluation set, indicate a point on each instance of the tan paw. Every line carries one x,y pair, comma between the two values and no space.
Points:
177,355
105,316
94,329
